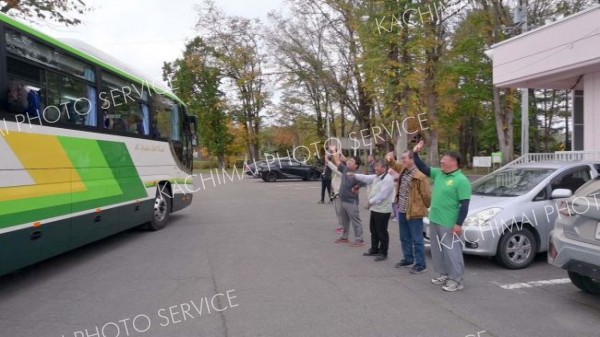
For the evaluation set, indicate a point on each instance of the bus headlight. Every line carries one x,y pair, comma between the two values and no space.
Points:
480,218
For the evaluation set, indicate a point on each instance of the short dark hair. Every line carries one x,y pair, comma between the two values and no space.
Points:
455,155
357,161
381,163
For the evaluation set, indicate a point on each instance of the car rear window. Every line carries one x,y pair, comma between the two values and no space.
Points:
589,188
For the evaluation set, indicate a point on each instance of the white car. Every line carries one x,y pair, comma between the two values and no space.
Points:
575,240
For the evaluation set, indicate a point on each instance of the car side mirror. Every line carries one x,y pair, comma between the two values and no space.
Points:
561,193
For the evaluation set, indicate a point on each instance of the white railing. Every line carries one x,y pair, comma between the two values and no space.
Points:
556,156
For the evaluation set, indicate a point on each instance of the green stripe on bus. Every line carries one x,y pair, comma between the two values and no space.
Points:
93,168
50,212
123,168
107,170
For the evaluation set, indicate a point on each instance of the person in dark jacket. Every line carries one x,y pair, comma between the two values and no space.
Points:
325,183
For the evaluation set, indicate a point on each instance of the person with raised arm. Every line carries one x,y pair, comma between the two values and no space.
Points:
349,188
449,208
381,194
413,198
334,197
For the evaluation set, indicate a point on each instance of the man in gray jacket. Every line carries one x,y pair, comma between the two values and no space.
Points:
380,204
349,190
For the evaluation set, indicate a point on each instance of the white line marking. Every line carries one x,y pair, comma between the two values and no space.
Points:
536,283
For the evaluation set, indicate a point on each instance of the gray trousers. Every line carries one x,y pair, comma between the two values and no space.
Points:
349,213
446,252
337,203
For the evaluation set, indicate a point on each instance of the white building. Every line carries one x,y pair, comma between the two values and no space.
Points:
561,55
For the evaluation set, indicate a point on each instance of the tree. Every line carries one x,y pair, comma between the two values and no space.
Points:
472,121
55,10
300,50
236,43
350,83
198,85
390,47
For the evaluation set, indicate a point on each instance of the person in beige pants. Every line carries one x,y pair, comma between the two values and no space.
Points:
336,180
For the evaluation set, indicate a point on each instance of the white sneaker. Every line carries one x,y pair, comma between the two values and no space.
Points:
452,285
440,280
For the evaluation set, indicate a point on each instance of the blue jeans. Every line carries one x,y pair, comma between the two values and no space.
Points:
411,238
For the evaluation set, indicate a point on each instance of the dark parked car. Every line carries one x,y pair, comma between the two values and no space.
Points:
253,168
288,168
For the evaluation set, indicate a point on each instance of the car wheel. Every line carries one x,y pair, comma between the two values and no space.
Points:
592,285
312,175
162,208
585,283
270,176
577,280
517,249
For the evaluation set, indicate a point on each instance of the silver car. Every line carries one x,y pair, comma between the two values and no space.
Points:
575,241
512,210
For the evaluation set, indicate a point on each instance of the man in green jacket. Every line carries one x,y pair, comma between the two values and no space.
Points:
449,208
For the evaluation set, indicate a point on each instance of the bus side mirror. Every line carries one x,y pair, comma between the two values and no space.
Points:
193,121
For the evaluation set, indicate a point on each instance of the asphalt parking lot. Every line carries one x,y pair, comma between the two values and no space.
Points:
251,258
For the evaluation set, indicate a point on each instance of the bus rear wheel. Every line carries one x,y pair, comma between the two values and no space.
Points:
162,208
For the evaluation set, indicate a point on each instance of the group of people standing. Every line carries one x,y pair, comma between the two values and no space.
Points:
405,183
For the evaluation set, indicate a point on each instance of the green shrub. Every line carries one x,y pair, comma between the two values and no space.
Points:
205,164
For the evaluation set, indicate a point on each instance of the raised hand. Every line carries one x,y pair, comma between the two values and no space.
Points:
389,156
419,146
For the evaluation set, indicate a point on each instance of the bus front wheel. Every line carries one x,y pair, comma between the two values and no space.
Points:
162,208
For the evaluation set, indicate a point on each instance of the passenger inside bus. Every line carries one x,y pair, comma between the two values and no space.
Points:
17,97
108,122
135,125
120,124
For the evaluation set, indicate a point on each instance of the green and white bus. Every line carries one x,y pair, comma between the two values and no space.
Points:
88,147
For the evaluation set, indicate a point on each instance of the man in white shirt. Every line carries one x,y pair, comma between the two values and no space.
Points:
380,204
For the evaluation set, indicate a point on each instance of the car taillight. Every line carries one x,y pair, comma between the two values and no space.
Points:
551,252
564,208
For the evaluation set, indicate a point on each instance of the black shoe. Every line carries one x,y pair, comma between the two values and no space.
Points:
381,257
371,253
403,263
417,269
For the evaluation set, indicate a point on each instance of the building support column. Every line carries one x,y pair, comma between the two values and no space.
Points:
591,110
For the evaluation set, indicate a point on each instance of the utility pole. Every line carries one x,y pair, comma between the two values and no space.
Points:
524,91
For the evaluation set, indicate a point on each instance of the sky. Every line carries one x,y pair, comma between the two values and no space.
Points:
145,33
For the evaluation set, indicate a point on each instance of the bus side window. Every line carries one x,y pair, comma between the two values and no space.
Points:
25,81
163,108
